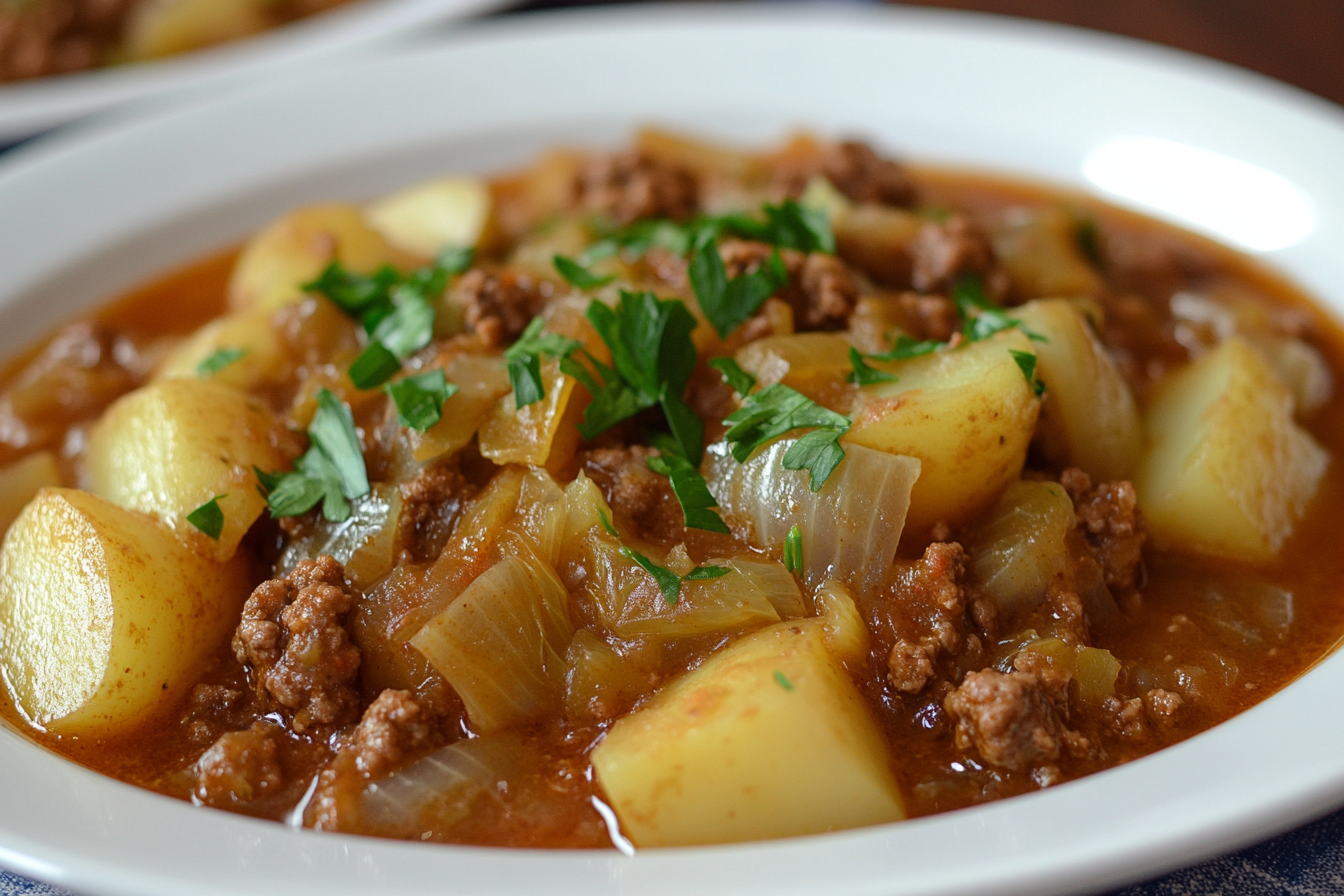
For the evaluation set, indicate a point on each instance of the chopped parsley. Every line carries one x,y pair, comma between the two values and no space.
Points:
864,374
778,409
219,359
524,361
1026,362
1089,240
669,583
782,680
579,276
738,379
208,518
980,317
691,490
907,348
331,471
793,550
728,304
419,399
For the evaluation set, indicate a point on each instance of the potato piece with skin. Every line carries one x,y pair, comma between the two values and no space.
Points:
171,446
105,618
22,480
968,415
292,251
264,359
1227,471
1088,416
427,218
768,738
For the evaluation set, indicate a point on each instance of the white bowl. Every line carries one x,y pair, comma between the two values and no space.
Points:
29,107
91,212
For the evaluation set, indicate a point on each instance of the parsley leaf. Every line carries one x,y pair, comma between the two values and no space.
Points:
208,518
578,275
907,348
980,317
796,226
524,361
783,681
793,550
728,304
374,366
351,292
778,409
1026,362
741,382
219,359
669,583
864,374
419,399
331,471
691,490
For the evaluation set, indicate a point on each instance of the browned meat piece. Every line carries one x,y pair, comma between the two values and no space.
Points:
238,768
1152,263
910,665
293,640
430,503
1110,519
214,708
1054,677
499,305
854,169
630,185
1064,613
57,36
821,288
1127,717
1164,707
637,495
945,251
1010,721
929,317
393,725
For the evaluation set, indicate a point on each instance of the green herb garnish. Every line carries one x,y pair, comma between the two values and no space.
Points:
219,359
776,410
419,399
331,471
980,317
524,361
1026,362
578,275
864,374
669,583
738,379
728,304
209,518
793,550
783,680
691,490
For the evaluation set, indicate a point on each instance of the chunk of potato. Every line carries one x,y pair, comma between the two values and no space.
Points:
427,218
105,619
169,27
292,251
1088,417
768,738
1226,471
23,479
1039,249
171,446
967,414
264,359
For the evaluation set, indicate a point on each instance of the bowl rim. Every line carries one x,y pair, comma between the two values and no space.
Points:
75,828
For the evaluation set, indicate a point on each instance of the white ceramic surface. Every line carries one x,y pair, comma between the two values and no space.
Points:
30,107
98,209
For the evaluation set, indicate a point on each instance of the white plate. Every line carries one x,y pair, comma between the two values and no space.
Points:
30,107
91,212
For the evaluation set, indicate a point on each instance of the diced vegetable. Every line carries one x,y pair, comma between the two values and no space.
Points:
247,343
877,238
813,363
1227,471
768,738
106,620
278,261
482,382
22,480
1088,417
1094,669
363,542
429,217
1039,249
599,683
502,643
171,446
845,633
542,434
850,528
1021,546
967,414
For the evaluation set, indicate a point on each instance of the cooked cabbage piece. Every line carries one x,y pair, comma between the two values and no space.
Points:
1021,547
1226,471
106,620
768,738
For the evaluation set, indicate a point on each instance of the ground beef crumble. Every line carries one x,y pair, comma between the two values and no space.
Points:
638,496
394,725
821,289
1009,720
854,169
631,185
293,640
945,251
1109,518
239,767
500,304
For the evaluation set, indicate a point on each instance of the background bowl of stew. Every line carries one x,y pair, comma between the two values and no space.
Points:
97,210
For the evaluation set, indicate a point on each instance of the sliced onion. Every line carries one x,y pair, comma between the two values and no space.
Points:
501,644
363,542
850,528
599,683
1023,544
438,791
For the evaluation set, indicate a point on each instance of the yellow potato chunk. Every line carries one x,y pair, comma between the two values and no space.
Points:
768,738
263,358
427,218
1088,418
292,251
171,446
169,27
105,619
1227,471
23,479
1040,251
967,414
